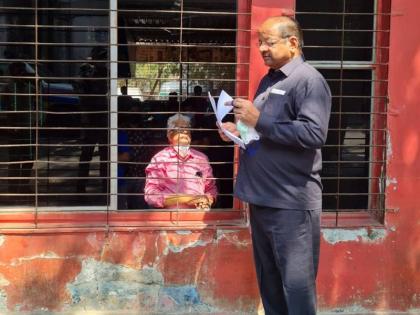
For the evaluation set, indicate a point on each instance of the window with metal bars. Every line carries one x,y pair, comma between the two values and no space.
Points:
87,89
347,41
70,139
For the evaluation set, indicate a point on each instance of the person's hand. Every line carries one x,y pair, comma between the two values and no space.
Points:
245,111
202,202
229,126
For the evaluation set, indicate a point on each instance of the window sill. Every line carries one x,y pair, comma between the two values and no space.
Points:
91,221
349,220
86,221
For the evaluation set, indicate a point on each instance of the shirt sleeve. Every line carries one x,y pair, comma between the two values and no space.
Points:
123,146
210,184
309,129
153,191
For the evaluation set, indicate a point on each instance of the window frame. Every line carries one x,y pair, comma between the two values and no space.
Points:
24,219
374,214
40,219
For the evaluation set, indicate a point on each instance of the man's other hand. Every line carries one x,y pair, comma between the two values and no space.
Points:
229,126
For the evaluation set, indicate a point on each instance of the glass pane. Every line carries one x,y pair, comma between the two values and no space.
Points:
168,67
347,151
18,119
21,5
73,104
91,4
334,32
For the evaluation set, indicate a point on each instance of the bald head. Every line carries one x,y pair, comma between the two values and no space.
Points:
285,26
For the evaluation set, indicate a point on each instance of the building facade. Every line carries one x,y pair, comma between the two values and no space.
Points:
76,232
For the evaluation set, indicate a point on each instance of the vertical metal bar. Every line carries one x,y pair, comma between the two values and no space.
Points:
113,131
340,103
181,76
372,104
35,156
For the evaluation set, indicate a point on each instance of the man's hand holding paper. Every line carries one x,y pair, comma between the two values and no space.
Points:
246,115
245,111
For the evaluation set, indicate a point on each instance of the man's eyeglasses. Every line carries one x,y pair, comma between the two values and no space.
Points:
179,130
271,44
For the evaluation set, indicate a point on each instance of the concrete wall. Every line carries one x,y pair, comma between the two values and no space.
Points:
156,271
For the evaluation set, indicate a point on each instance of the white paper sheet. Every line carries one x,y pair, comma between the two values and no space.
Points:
221,110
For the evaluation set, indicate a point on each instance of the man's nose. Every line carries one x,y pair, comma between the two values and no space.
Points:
262,48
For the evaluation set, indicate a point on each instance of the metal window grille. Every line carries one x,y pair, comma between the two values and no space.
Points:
347,41
65,124
63,63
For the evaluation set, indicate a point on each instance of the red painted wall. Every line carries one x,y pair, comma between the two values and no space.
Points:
364,268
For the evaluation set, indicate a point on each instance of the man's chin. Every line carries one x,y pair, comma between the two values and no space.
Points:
268,62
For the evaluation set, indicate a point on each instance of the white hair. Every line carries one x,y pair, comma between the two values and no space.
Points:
172,121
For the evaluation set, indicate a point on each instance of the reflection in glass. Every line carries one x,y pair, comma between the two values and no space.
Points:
169,58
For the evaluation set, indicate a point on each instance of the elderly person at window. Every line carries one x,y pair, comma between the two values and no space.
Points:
179,176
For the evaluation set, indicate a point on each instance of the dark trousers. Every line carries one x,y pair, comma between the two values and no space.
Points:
286,254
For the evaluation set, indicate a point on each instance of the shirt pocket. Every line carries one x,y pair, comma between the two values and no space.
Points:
279,106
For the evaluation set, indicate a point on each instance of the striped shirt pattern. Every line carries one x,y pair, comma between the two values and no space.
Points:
169,174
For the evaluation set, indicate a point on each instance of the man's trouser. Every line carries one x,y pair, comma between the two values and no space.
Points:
286,254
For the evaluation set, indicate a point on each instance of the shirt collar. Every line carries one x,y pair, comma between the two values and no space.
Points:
174,154
289,67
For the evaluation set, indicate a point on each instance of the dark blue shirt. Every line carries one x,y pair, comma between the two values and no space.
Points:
281,170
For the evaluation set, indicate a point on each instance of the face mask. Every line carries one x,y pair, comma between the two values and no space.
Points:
182,150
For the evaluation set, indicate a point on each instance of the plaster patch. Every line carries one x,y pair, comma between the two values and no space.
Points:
3,302
222,233
334,236
391,181
233,239
178,249
46,255
105,286
185,297
92,240
3,281
183,232
2,239
388,146
354,309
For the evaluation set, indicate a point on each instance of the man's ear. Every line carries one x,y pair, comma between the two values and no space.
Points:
294,43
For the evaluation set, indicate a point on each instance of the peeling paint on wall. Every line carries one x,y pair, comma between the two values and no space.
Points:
3,296
3,301
334,236
232,237
46,255
110,287
388,146
106,286
183,232
2,238
391,181
354,309
184,297
178,248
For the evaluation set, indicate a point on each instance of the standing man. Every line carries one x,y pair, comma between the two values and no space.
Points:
279,174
